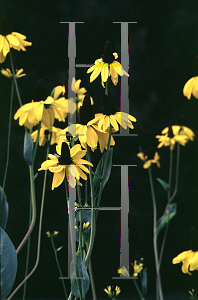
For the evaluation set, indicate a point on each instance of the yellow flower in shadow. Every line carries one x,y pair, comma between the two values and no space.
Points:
107,66
87,130
149,157
173,134
45,135
10,39
111,116
191,88
189,261
68,163
112,292
6,72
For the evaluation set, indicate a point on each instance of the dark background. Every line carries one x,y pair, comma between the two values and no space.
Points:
162,49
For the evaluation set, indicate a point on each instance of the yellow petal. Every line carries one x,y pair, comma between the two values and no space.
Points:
92,138
114,123
58,179
191,87
95,73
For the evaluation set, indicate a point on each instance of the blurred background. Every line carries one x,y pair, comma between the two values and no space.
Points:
163,46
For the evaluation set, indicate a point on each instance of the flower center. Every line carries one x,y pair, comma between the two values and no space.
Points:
65,158
170,132
150,153
108,107
86,112
108,54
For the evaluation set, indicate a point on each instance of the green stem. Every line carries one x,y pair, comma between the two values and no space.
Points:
139,292
104,170
37,141
59,268
177,173
107,86
33,204
15,80
28,252
33,222
91,243
158,281
71,225
168,204
8,149
86,185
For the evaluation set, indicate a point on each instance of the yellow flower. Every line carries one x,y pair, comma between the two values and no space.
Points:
85,225
52,234
123,271
111,116
173,134
32,113
191,88
137,268
107,66
43,136
87,130
60,164
68,104
112,292
189,261
6,72
10,40
150,157
193,294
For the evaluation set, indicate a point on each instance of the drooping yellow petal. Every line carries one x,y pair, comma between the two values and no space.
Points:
180,257
95,73
106,123
114,123
191,87
58,179
92,138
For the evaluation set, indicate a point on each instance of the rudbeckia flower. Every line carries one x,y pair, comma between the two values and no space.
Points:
150,157
45,135
112,292
137,268
124,272
107,66
59,165
87,130
6,72
68,104
189,258
173,134
191,88
10,40
189,261
111,116
32,113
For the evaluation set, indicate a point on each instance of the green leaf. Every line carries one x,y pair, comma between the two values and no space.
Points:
4,209
80,272
144,282
28,148
167,216
86,217
108,167
163,184
52,93
8,264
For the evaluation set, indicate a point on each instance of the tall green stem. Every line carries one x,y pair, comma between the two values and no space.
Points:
15,80
139,292
59,268
33,203
104,170
91,243
158,281
31,225
8,148
168,204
